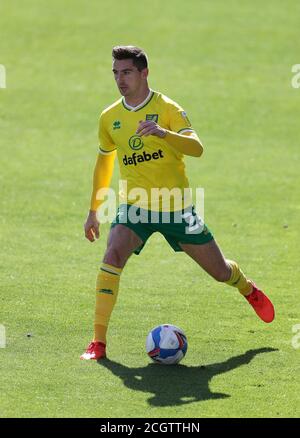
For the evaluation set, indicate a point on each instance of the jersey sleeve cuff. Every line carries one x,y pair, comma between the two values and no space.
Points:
183,130
103,152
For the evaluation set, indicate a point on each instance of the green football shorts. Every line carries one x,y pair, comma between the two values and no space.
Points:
182,226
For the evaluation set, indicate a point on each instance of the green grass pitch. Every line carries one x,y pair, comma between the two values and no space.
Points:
229,65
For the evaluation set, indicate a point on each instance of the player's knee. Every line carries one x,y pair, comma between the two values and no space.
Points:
222,274
115,257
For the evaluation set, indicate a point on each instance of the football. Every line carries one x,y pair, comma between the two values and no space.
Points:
166,344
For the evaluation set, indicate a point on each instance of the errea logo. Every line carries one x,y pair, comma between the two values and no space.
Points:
117,124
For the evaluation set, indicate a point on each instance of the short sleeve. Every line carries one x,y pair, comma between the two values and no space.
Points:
106,144
178,119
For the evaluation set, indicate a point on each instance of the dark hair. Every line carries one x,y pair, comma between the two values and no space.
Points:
138,56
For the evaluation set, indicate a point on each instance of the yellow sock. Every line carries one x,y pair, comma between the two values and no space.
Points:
238,279
107,288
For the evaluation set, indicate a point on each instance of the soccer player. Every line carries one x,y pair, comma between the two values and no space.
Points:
150,134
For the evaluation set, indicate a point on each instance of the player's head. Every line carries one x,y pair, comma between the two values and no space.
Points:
130,68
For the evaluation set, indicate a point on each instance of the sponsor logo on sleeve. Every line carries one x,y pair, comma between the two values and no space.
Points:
186,119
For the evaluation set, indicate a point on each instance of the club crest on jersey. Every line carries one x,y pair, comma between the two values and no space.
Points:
185,117
117,124
135,142
152,118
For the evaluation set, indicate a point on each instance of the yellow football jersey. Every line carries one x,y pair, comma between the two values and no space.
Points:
147,164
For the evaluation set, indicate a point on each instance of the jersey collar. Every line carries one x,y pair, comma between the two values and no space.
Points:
141,105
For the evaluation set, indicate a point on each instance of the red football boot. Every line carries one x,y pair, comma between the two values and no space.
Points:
261,304
95,351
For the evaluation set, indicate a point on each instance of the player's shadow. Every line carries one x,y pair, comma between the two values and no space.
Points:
178,384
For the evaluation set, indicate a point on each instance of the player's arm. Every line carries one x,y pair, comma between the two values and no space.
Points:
187,143
102,176
101,181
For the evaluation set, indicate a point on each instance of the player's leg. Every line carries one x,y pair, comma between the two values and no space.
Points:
210,258
122,242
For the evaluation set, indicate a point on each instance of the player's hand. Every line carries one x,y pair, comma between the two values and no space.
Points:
150,128
91,227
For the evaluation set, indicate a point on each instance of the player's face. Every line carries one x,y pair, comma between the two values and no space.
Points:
128,78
